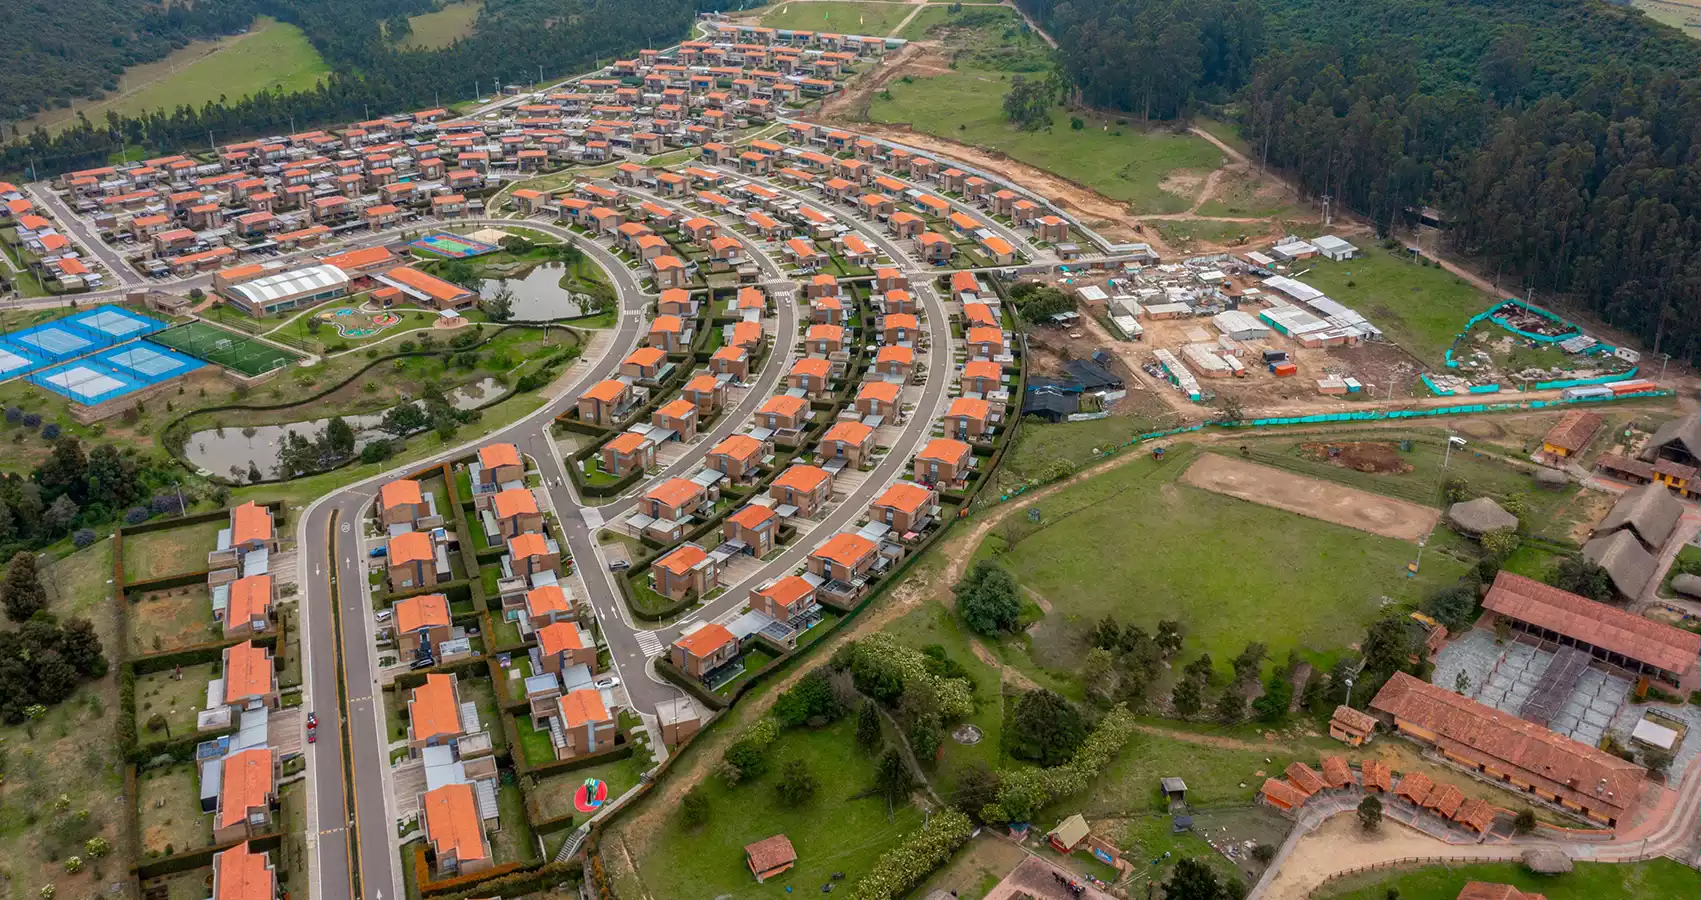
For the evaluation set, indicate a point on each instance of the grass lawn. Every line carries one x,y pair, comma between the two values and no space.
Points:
177,699
170,551
1587,881
171,620
1213,775
832,834
1421,308
179,824
1185,233
755,659
482,694
513,842
933,624
935,17
1039,445
553,795
1124,162
594,475
534,743
1136,544
843,17
436,30
1485,473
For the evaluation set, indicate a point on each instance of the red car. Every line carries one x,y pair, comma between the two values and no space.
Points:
312,728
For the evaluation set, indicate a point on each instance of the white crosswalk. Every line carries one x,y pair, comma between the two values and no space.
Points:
649,642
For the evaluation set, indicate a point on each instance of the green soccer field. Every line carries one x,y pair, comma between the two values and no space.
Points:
225,348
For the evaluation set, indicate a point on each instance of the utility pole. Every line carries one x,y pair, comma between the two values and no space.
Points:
1664,359
1326,216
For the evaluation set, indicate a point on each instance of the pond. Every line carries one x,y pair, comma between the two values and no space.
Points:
538,294
220,450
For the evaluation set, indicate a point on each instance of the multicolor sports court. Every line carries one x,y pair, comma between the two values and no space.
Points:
454,246
93,356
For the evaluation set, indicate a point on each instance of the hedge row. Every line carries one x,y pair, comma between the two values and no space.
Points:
195,859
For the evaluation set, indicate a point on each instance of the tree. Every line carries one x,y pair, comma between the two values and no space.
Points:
1099,674
1456,489
339,438
925,740
868,726
113,476
977,786
81,648
1524,822
1272,707
22,593
1106,634
892,778
377,451
1169,637
1247,663
1194,880
1231,706
1389,644
1454,607
811,698
796,786
65,471
1188,697
1370,813
694,808
62,514
1579,576
1462,682
1045,728
987,600
1027,104
499,307
461,272
1500,543
404,419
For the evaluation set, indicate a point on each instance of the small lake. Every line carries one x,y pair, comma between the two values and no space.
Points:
538,294
218,450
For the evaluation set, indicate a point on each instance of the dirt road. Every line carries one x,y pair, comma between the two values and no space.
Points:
1310,497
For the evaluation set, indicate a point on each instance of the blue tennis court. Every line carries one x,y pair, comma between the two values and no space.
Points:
114,323
87,382
148,362
52,342
13,361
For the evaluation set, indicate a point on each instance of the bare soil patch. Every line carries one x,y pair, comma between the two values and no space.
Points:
1309,497
1375,457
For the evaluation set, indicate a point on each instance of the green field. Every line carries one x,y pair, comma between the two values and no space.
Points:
170,551
1134,543
436,30
1661,878
224,347
1123,162
1421,308
923,25
842,17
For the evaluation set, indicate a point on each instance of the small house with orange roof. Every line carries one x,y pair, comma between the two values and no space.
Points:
824,340
849,442
1282,795
455,830
906,225
629,452
934,248
669,334
422,623
530,202
746,335
1336,773
803,253
894,363
844,562
770,857
822,285
644,363
889,278
966,287
812,375
984,342
246,608
605,402
247,788
1376,775
789,599
749,301
738,457
532,553
801,490
669,271
706,653
250,529
674,500
413,559
968,418
979,315
943,461
982,377
562,645
879,398
1351,726
516,512
1051,229
249,678
734,361
900,329
828,311
1024,211
898,301
707,392
498,465
904,506
686,571
1475,814
541,605
997,249
678,416
783,412
434,713
1414,787
676,302
754,528
243,873
587,725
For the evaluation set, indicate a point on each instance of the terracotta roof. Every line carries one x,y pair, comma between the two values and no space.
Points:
679,408
1415,787
812,366
895,354
986,335
970,407
1475,814
433,709
770,853
1582,619
738,446
845,549
906,496
1483,890
945,450
702,384
751,516
247,672
901,320
825,333
429,285
1275,789
515,502
705,640
674,295
627,442
492,455
674,492
1575,771
550,598
667,325
646,356
964,281
250,598
423,611
897,295
983,368
523,546
682,559
1445,799
746,332
560,637
360,259
244,784
243,874
583,706
606,391
849,432
1574,430
250,522
452,822
786,591
784,405
883,391
402,492
410,546
802,477
1304,778
1336,773
1374,773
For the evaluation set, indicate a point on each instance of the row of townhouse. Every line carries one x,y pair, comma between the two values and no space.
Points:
55,256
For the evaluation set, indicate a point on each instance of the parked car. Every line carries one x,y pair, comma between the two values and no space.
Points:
378,551
618,565
382,615
312,728
610,682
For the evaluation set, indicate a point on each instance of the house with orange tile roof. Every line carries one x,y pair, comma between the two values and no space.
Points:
822,285
933,248
455,830
903,506
755,527
997,249
422,624
707,392
677,415
706,653
738,457
900,329
434,713
770,857
644,363
1282,795
686,571
247,787
669,271
850,442
1376,775
968,418
243,873
790,600
629,452
844,562
982,376
499,464
734,361
1351,726
1336,773
943,462
803,253
539,606
879,398
1051,229
667,333
906,225
414,560
828,310
563,644
246,608
804,487
783,412
746,335
606,402
587,725
812,375
824,340
889,278
671,504
516,512
894,364
985,343
532,553
979,315
250,529
249,677
898,301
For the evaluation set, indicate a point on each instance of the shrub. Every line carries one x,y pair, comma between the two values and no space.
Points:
14,415
83,538
906,865
136,515
51,432
32,420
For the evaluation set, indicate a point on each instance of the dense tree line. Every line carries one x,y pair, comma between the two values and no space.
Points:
42,661
370,77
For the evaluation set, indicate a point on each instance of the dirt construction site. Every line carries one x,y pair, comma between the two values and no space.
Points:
1309,497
